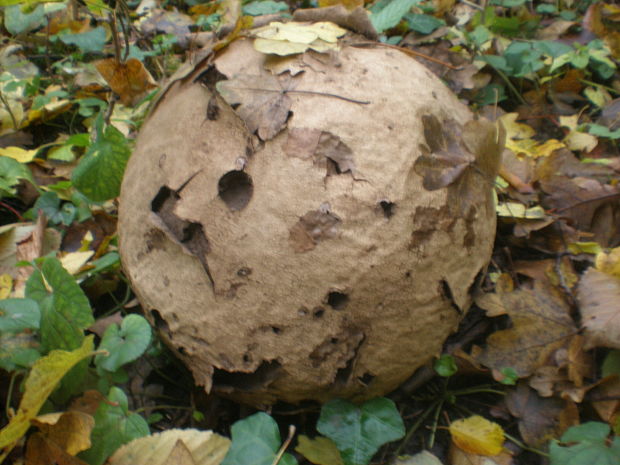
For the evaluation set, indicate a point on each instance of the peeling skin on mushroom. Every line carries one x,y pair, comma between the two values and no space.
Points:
312,228
446,292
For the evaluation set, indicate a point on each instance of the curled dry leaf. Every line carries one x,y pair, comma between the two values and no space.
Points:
540,324
465,158
129,80
264,103
204,447
599,303
293,37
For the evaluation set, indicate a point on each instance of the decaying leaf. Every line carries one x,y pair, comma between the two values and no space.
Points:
539,419
477,435
540,324
293,37
264,103
320,450
599,304
45,374
130,80
69,430
465,158
204,448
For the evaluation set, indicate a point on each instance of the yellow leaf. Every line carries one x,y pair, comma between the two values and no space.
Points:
575,140
518,210
319,450
609,263
547,148
42,379
584,247
74,261
516,130
69,430
6,284
292,38
19,154
477,435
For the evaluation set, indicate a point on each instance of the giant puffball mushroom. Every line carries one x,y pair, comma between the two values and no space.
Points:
311,226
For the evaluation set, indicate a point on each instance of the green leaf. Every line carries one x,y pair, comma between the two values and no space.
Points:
603,131
508,3
359,431
611,364
65,310
590,445
89,41
445,365
124,344
255,441
388,13
424,24
114,426
16,21
100,172
552,48
268,7
16,315
11,172
510,376
17,350
49,203
319,450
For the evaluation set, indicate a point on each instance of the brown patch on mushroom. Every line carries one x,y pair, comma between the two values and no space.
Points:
312,228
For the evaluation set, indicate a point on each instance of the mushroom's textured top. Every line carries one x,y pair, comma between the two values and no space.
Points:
311,226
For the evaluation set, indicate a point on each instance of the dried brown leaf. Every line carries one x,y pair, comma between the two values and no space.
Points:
599,303
263,101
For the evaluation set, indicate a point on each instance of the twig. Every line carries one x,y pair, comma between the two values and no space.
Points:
291,433
8,110
407,51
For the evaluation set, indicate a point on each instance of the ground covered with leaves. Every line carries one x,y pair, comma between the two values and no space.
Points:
531,377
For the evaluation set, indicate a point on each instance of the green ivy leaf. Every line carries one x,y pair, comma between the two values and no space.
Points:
114,426
388,13
603,131
590,446
100,172
255,441
16,315
89,41
65,310
445,365
267,7
49,203
11,172
124,344
17,21
424,24
359,431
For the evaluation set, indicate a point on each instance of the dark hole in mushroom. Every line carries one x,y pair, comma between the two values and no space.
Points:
235,188
244,271
182,350
247,358
388,208
366,378
334,340
213,109
276,330
446,292
337,300
160,323
263,376
158,201
318,312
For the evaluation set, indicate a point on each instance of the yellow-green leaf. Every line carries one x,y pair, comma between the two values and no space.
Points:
477,435
319,450
19,154
41,381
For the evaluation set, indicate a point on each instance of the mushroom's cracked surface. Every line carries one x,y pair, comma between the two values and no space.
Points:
285,244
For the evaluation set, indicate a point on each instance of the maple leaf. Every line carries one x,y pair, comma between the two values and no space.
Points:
465,159
263,99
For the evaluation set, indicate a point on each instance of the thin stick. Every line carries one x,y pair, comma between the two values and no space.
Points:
407,51
291,433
